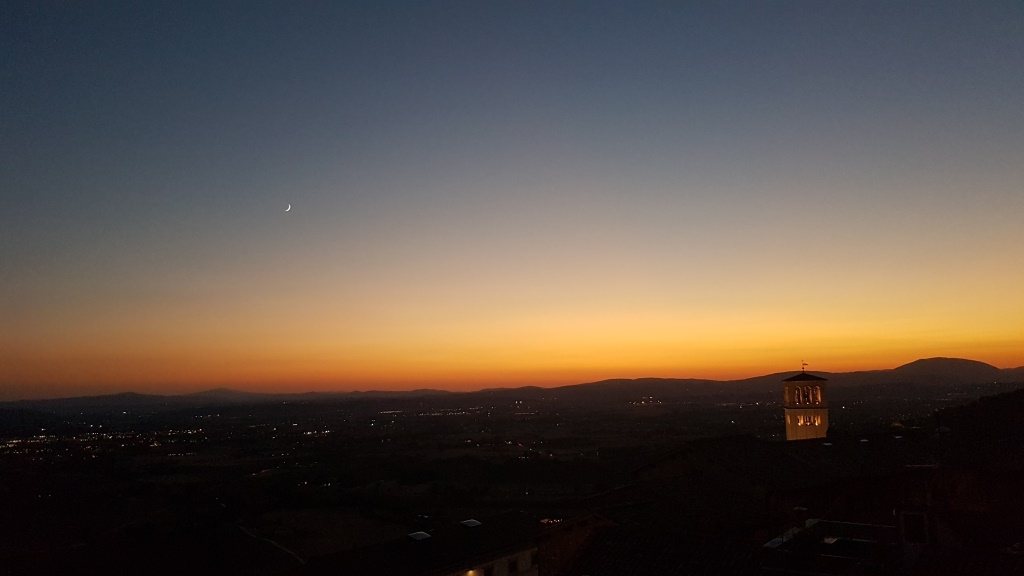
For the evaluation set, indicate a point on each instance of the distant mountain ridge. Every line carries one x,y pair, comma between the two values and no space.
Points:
925,372
947,370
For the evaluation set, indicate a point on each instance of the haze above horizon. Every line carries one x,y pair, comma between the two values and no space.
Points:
502,195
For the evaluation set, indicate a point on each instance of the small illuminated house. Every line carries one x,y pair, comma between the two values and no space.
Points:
806,406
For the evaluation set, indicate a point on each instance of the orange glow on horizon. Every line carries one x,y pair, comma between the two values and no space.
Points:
428,338
457,363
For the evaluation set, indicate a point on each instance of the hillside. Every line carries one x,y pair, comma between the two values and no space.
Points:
924,373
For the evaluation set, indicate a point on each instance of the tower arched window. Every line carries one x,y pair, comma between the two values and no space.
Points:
817,394
807,394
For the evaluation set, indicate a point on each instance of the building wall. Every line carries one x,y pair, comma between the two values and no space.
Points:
806,423
559,543
522,563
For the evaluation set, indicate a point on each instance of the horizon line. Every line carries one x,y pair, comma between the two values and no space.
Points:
470,391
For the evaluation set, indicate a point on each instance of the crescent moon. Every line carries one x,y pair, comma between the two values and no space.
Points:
288,209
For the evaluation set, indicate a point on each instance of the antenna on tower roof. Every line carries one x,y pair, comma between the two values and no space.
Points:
803,366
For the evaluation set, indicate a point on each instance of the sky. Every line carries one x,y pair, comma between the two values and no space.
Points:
503,193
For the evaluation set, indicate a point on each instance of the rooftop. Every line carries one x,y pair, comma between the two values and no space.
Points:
805,377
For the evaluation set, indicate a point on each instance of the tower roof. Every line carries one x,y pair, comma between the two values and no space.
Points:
805,377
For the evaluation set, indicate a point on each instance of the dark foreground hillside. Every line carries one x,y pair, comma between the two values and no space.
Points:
695,486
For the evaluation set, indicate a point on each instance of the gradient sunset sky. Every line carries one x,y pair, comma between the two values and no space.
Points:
503,193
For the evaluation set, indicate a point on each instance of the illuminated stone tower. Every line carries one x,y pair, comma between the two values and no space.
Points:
806,406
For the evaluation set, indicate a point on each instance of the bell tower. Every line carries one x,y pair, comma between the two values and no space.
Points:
806,405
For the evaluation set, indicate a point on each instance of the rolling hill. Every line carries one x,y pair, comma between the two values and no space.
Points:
930,372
